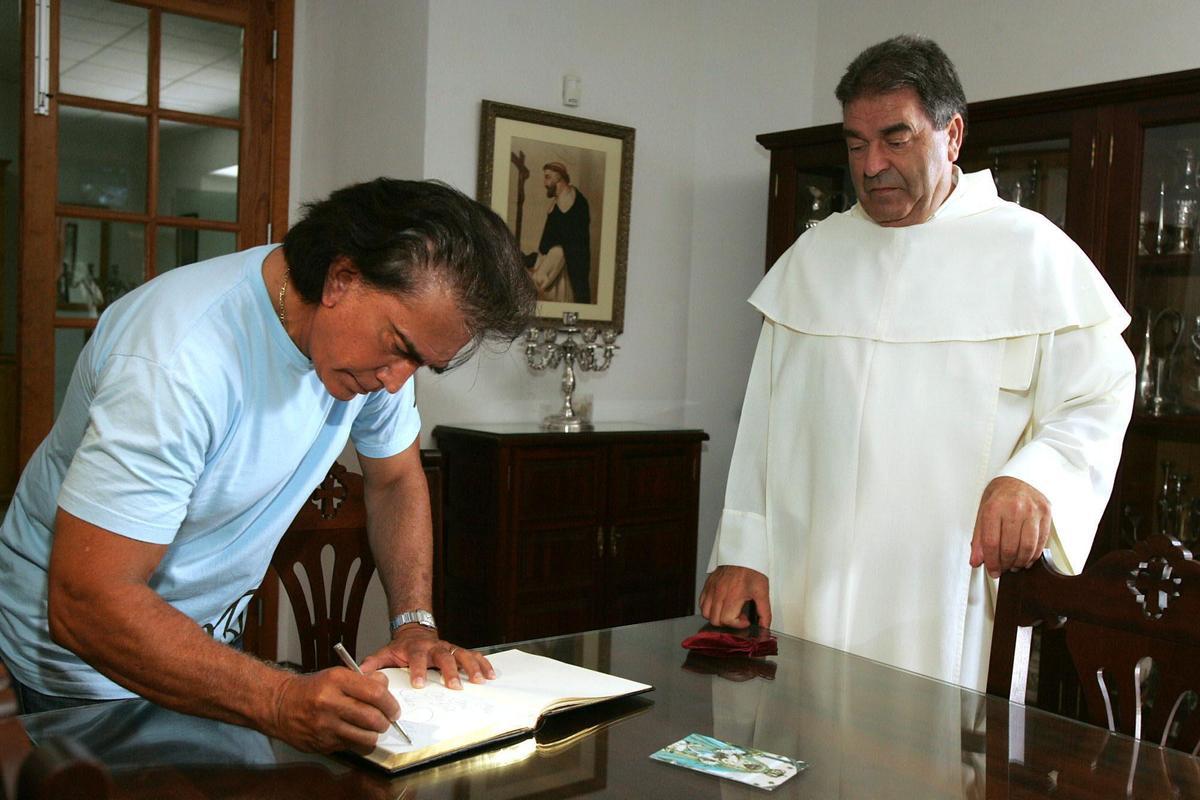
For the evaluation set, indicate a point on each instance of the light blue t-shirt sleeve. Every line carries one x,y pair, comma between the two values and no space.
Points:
387,423
142,452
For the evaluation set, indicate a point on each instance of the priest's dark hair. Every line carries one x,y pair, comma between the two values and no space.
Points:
403,236
907,62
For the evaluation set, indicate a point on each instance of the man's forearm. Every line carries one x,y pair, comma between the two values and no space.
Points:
142,643
399,526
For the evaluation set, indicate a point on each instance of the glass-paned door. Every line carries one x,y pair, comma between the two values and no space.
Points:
807,185
1030,174
132,155
1166,273
821,192
149,156
1048,163
1160,492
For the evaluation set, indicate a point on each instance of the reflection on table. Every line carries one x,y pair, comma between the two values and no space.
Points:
866,730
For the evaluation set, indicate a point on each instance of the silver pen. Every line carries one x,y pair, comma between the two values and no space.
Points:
349,661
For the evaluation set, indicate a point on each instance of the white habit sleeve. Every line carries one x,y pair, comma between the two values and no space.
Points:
1084,397
742,533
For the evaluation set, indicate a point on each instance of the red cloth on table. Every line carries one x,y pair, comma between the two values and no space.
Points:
715,643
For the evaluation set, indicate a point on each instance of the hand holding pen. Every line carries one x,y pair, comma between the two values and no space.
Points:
349,661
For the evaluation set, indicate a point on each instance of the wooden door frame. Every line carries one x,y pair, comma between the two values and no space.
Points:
37,225
267,94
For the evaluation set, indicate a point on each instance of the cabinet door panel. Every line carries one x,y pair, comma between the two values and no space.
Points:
1154,250
650,571
552,559
558,484
652,481
1046,164
557,580
807,184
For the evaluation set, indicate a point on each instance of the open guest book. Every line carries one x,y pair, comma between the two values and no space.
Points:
527,688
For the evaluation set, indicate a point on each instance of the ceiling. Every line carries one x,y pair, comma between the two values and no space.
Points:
104,49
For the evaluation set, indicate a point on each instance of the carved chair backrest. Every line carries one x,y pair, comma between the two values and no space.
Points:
324,562
1132,625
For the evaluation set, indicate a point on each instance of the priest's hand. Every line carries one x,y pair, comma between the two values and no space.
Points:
1011,528
726,593
419,649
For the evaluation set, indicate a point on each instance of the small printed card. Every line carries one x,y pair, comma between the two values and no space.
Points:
725,760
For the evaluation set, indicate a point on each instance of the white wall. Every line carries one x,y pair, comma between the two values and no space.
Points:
1010,47
358,93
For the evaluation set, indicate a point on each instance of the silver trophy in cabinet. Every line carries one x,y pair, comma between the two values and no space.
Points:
1158,362
547,347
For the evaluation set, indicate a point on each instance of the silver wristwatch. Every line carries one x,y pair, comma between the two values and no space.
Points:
419,616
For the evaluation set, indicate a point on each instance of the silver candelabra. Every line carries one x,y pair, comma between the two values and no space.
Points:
544,349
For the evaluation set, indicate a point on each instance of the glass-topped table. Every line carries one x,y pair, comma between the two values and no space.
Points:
866,730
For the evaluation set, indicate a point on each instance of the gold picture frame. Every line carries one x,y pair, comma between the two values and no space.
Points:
534,168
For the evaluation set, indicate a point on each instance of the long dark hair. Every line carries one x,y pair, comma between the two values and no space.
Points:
402,235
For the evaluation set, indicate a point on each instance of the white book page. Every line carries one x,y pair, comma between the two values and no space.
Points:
540,682
524,686
434,714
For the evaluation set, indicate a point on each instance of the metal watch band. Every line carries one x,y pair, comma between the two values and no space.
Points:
419,616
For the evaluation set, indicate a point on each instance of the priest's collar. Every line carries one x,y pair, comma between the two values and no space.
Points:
972,193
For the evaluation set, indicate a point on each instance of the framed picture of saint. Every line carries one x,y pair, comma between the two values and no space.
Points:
563,185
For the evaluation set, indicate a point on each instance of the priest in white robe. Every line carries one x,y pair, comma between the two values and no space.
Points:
940,391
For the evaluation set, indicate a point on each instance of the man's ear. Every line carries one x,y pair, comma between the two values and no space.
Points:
340,279
954,137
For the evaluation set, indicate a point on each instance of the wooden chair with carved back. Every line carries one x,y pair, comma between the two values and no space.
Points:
327,544
324,562
1132,628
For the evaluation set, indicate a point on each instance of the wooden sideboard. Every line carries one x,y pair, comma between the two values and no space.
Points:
552,533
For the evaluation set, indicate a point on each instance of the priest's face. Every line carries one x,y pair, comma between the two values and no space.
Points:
902,167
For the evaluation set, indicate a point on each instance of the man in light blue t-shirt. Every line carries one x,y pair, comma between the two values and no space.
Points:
202,413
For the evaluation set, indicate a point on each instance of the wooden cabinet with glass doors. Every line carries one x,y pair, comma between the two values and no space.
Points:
1113,165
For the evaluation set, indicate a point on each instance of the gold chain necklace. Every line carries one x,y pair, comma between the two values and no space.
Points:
282,294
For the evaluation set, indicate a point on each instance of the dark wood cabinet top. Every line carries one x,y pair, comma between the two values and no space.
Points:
1026,105
530,433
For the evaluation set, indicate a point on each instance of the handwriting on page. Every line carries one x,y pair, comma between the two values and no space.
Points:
437,702
435,713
